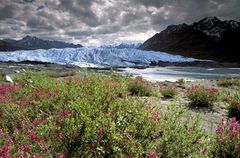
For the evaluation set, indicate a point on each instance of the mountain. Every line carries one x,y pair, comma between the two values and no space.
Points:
33,43
209,38
122,45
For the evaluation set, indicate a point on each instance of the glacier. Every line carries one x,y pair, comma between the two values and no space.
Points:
93,57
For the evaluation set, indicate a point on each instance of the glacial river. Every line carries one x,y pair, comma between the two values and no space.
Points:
188,73
152,73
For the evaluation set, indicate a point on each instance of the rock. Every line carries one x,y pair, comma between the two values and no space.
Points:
9,79
17,71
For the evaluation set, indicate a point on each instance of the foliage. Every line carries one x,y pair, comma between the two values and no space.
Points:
86,117
180,81
138,86
2,76
226,142
201,96
168,91
227,82
234,105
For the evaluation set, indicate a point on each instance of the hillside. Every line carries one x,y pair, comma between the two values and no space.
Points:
33,43
209,38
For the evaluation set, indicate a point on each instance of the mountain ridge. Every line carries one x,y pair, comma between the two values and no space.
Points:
33,43
209,38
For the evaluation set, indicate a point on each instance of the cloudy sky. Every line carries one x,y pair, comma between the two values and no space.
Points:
94,22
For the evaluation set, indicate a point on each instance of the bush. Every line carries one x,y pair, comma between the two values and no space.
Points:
201,96
168,91
234,106
226,142
2,76
180,81
227,82
85,117
138,86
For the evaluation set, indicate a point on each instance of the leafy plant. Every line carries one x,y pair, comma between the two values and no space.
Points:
201,96
85,117
227,82
181,81
168,91
2,76
226,142
138,86
234,105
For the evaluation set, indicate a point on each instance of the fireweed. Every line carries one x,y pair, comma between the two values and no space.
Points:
201,96
87,117
226,142
234,105
168,91
140,87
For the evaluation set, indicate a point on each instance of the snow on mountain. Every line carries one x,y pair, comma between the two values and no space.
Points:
93,57
214,27
122,45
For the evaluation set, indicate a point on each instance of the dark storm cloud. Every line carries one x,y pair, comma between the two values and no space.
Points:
40,24
81,10
8,11
96,21
29,1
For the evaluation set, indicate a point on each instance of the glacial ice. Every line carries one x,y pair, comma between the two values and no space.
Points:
93,57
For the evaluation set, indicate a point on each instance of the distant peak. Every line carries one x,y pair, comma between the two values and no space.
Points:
208,19
29,37
211,18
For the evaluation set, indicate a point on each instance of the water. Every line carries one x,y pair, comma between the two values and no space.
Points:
152,74
188,73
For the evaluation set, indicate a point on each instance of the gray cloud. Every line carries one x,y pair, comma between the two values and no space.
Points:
100,21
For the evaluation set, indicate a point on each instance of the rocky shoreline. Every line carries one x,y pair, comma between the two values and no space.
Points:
199,63
209,118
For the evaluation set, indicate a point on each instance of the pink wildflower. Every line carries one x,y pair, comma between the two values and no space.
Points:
36,156
153,155
237,146
32,135
27,147
44,148
234,133
155,116
219,128
221,139
63,155
233,120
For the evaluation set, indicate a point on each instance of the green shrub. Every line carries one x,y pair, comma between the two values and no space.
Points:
85,117
201,96
234,105
2,76
227,82
181,136
226,141
138,86
168,91
180,81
